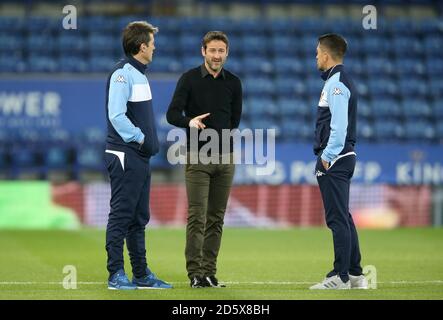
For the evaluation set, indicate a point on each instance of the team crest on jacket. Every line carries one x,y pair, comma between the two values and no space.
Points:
323,99
120,78
337,92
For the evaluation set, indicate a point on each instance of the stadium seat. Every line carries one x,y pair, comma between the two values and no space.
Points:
69,44
72,64
297,130
101,63
166,64
413,87
262,107
288,66
388,131
289,87
365,131
11,43
254,45
382,87
385,109
42,63
258,86
417,131
416,109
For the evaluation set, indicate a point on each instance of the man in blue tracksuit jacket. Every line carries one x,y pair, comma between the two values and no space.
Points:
131,141
335,137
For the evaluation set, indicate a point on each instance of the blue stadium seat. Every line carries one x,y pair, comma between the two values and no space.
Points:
290,108
413,87
288,66
165,64
314,86
387,130
284,46
435,87
98,24
42,63
379,66
11,24
258,65
101,63
386,109
434,67
382,87
416,131
260,107
365,131
189,62
44,25
258,86
409,44
227,25
103,43
281,27
437,110
297,130
40,43
433,45
254,45
10,43
71,43
250,26
190,44
415,109
364,109
408,67
234,65
308,45
165,44
72,64
289,87
375,45
355,67
439,130
11,64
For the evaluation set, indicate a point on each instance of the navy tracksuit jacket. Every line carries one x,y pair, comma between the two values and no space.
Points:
335,137
131,141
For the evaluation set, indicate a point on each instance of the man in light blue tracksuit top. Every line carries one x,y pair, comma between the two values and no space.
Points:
131,141
335,137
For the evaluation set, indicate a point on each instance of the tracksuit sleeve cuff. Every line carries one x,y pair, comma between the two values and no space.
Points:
326,158
140,138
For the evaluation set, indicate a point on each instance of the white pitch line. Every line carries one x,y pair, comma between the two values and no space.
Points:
229,282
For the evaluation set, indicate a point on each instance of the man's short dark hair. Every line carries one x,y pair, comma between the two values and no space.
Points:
335,44
215,35
135,34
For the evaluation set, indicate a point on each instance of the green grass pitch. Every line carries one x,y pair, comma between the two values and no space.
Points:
256,264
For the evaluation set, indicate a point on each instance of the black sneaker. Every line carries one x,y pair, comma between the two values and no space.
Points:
197,282
211,281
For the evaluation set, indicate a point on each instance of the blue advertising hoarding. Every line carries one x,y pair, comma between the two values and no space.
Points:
77,104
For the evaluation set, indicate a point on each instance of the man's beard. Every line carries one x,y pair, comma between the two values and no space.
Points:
211,65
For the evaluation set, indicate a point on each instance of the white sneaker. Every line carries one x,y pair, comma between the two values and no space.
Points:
332,283
358,282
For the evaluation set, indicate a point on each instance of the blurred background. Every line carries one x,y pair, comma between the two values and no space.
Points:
52,107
